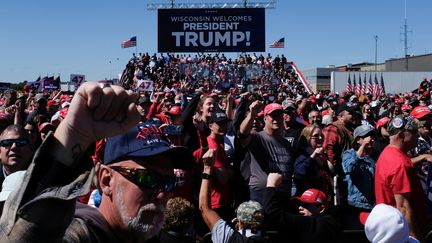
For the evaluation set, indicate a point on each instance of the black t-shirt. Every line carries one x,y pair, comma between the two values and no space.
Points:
378,146
173,237
296,228
292,135
239,238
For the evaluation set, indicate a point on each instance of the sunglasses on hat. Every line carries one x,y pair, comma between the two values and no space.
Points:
19,142
146,178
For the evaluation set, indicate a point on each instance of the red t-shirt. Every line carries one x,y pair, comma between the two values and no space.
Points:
220,194
394,174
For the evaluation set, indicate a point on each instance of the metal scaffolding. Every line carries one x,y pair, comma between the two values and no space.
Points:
244,4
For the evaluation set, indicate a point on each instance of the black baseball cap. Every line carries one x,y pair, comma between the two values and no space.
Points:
347,106
219,116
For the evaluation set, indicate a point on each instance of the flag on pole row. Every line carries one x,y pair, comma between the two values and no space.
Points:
375,87
370,86
349,86
359,86
354,85
131,42
278,44
382,87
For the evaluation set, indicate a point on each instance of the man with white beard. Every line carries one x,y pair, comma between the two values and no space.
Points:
134,180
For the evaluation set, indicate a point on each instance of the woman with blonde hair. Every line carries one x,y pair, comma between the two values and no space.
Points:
310,167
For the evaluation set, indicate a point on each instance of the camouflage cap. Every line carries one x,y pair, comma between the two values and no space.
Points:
250,211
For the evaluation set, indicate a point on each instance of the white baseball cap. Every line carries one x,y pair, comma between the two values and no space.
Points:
386,224
11,182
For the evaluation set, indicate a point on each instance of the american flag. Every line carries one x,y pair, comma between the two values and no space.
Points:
278,44
360,86
363,88
129,42
375,87
364,85
370,86
349,87
382,87
357,87
354,89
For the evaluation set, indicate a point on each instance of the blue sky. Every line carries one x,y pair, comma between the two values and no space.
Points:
52,37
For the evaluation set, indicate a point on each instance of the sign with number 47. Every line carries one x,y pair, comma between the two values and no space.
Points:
77,80
145,85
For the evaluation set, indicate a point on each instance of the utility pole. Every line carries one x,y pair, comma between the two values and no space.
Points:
376,51
406,38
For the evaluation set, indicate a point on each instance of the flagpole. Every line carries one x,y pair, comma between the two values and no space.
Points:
376,51
136,47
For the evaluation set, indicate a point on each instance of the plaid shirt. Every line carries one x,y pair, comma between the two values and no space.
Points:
423,147
337,139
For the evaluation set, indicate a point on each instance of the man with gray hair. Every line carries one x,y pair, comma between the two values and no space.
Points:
315,117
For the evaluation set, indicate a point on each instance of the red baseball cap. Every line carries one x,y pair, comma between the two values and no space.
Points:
46,126
405,107
363,217
272,107
382,122
64,111
399,101
420,111
65,98
312,99
51,103
313,196
324,112
175,110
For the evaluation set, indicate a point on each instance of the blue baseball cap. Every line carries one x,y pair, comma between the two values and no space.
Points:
144,140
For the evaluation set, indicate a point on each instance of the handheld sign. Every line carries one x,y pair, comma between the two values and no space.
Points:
144,86
77,80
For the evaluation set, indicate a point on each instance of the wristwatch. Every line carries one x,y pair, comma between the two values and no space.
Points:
206,176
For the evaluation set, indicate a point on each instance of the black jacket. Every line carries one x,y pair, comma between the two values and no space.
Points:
297,228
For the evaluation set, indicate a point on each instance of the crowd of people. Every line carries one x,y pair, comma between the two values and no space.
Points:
221,150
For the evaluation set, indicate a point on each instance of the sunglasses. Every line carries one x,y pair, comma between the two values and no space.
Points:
146,178
19,142
317,137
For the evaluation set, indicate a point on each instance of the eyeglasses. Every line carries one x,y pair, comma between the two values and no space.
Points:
317,137
19,142
147,178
